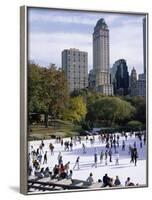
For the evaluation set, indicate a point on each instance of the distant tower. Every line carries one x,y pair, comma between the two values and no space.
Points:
141,82
75,67
120,77
144,43
101,58
133,82
91,80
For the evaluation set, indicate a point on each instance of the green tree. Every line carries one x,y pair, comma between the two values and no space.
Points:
110,110
134,124
76,109
140,105
47,91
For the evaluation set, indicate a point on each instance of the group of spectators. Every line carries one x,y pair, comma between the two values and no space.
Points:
110,182
60,171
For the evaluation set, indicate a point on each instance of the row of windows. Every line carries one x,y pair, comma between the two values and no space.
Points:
77,68
77,54
77,78
77,60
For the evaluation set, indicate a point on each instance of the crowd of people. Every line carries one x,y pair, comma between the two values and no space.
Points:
110,182
38,158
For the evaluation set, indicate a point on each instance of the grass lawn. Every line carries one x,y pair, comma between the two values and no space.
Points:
55,128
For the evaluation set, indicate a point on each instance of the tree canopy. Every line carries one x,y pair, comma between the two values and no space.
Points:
48,94
47,90
110,110
76,110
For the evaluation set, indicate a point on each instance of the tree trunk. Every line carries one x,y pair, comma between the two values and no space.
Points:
46,120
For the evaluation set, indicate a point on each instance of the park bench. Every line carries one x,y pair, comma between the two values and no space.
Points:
46,184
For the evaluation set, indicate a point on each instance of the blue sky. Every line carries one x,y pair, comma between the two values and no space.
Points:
51,31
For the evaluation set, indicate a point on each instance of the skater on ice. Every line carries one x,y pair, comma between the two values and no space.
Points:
101,157
123,145
83,148
106,157
51,147
71,146
95,160
135,156
77,163
45,158
110,155
117,158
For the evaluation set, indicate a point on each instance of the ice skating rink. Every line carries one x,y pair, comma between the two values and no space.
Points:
124,169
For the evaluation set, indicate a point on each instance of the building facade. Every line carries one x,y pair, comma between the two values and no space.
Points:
101,58
120,77
91,80
75,67
133,83
141,85
144,43
137,86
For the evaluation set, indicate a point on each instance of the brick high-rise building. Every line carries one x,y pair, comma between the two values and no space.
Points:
75,66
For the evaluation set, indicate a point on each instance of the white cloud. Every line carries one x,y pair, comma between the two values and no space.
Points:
125,38
75,17
126,42
48,47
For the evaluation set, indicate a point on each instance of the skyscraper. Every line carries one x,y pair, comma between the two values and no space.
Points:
137,86
120,77
75,66
144,44
141,82
101,58
133,82
91,80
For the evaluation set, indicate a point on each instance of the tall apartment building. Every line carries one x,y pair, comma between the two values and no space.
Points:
101,58
75,66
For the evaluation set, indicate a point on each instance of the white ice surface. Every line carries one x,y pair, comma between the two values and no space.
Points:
123,170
